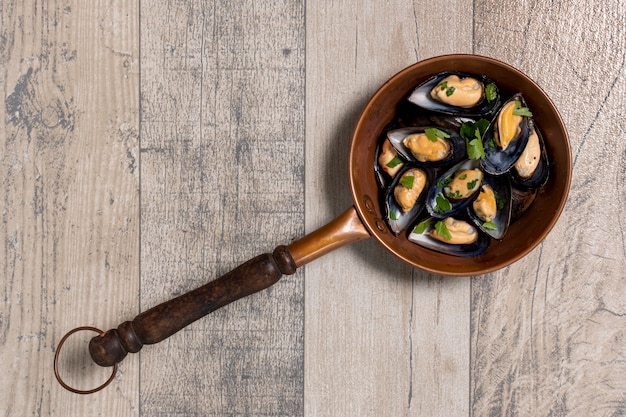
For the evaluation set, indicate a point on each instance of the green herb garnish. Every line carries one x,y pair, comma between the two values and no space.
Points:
443,204
490,226
462,177
472,184
490,92
421,227
407,181
450,91
393,215
433,134
473,133
454,194
394,162
521,111
444,85
492,144
475,148
442,230
500,203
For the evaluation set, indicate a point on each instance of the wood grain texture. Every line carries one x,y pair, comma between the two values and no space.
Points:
69,195
549,333
381,338
222,154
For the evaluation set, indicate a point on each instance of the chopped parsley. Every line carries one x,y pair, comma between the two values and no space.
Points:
407,181
393,215
500,203
473,133
443,204
421,227
394,162
445,182
444,85
521,111
490,226
450,91
442,230
472,184
490,92
433,134
454,194
462,177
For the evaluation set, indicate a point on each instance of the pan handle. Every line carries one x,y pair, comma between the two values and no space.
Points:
163,320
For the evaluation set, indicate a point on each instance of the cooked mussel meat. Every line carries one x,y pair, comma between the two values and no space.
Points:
451,236
455,189
429,145
506,136
491,210
404,200
531,170
457,93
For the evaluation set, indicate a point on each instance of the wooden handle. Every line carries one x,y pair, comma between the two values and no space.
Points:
162,321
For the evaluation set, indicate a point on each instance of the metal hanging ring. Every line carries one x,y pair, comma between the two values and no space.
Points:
56,363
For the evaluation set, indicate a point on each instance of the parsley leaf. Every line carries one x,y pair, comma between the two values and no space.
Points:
475,149
490,92
500,203
393,215
442,230
421,227
462,177
450,91
407,181
394,162
472,184
444,85
443,204
473,133
432,133
521,111
490,226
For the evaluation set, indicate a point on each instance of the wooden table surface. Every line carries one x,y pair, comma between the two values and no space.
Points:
149,147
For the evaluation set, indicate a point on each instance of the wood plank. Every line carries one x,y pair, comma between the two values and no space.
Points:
69,201
222,156
381,338
548,333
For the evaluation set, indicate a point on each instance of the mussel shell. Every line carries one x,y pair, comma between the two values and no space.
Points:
521,201
498,161
422,98
456,142
468,251
541,173
501,185
456,206
382,176
399,221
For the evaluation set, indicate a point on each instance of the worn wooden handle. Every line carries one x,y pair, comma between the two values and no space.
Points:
164,320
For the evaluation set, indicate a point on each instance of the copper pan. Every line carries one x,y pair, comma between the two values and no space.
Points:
364,219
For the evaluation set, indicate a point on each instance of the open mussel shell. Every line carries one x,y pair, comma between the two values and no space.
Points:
437,192
498,226
497,160
397,219
421,96
521,201
388,162
421,235
535,149
454,142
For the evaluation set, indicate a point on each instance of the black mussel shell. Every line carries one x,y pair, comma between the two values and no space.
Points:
541,173
455,141
422,98
396,219
497,228
498,161
420,235
435,192
521,201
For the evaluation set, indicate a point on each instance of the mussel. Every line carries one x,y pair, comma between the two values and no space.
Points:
404,200
451,236
531,170
428,145
506,137
457,93
455,189
491,209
